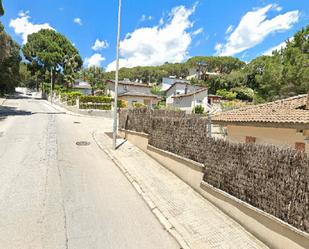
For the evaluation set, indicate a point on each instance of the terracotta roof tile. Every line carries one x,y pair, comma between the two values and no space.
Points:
290,110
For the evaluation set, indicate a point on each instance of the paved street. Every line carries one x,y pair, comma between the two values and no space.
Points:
55,194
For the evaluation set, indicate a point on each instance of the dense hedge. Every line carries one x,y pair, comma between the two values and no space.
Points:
99,102
95,99
70,97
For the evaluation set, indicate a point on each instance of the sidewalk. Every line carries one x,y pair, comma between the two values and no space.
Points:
190,218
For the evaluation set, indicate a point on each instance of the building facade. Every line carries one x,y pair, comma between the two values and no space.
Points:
283,123
133,92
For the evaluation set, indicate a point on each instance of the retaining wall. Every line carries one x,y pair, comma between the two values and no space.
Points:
268,178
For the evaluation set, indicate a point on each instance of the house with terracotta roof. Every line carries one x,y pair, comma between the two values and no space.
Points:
283,122
133,92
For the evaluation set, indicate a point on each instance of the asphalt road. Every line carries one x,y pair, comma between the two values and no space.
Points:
56,194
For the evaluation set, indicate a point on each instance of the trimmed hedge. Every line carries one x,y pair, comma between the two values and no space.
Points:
99,102
95,99
70,97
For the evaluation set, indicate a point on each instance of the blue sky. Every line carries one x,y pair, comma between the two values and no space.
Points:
154,31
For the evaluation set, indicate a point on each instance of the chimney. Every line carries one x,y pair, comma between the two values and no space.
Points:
307,105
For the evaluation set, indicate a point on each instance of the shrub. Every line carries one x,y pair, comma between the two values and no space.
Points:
122,103
138,105
244,93
72,96
198,109
226,94
96,99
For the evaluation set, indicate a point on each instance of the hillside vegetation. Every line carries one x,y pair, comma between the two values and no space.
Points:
285,73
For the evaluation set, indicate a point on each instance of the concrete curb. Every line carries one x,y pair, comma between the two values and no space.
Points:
70,112
62,109
147,199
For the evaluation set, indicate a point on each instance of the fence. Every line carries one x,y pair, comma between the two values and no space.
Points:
270,178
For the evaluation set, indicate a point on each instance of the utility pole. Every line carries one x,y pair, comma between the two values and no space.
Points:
51,85
115,125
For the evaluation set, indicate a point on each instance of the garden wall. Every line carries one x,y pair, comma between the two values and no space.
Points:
272,179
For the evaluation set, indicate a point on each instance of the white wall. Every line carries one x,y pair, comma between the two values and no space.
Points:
187,103
178,89
125,88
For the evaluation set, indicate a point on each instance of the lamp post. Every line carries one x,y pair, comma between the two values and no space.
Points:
115,128
51,85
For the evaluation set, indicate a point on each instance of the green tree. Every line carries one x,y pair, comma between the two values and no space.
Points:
221,64
265,75
226,94
295,58
1,9
94,76
9,62
51,50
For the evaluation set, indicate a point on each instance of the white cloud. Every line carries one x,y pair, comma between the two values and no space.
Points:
78,21
94,60
277,7
99,45
168,41
277,48
254,27
198,31
229,29
23,27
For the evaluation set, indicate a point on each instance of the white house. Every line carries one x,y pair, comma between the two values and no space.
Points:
178,88
167,82
188,101
82,87
133,92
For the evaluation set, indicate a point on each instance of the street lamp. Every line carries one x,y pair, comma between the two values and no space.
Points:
116,79
51,85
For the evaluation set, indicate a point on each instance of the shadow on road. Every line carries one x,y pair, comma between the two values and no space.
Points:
6,111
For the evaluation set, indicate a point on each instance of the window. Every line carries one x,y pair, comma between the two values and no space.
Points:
250,140
300,146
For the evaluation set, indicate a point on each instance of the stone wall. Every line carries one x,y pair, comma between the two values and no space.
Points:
270,178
